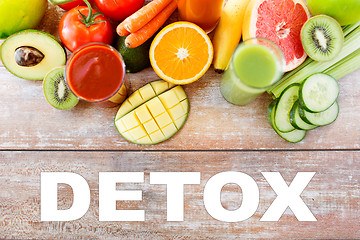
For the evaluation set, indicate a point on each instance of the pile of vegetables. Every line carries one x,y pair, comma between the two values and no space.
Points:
82,25
142,25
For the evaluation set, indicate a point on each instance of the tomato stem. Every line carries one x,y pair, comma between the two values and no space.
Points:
90,18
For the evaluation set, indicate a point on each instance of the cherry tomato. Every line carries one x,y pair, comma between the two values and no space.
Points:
77,29
118,10
71,5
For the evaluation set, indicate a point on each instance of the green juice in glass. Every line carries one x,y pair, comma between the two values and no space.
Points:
255,65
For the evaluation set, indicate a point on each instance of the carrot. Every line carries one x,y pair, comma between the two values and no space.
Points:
121,31
139,37
142,17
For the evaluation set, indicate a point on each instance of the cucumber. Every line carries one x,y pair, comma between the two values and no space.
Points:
318,92
282,110
322,118
296,120
293,136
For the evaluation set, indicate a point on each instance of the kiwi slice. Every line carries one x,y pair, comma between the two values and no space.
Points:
57,92
322,38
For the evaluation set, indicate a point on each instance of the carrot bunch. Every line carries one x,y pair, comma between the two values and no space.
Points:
143,24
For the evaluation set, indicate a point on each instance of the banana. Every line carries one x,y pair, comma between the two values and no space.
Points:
228,33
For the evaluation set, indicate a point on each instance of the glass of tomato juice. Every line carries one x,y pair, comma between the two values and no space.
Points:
95,72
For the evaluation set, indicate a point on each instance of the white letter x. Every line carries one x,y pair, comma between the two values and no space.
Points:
288,196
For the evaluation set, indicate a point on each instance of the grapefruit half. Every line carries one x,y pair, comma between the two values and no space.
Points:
279,21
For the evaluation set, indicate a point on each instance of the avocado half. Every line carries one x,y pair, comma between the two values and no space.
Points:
31,54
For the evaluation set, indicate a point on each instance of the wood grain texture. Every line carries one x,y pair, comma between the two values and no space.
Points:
84,141
332,195
29,122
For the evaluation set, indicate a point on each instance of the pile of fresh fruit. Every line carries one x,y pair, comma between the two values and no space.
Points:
317,50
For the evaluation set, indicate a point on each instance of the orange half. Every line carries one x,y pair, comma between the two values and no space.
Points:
181,53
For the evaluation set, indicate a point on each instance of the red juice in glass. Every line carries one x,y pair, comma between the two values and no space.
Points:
95,73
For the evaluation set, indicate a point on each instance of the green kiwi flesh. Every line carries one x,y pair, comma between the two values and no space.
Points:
57,92
322,38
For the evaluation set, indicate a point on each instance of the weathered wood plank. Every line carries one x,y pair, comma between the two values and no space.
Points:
332,195
29,122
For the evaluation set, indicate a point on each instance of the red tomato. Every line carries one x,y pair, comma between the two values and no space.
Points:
72,4
118,10
74,32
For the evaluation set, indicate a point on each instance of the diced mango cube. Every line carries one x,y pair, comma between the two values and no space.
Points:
160,86
143,113
130,121
169,130
135,99
128,136
185,105
138,132
157,136
163,119
147,92
177,111
125,108
180,121
144,140
155,106
179,91
123,90
153,113
171,85
117,98
151,126
169,99
120,125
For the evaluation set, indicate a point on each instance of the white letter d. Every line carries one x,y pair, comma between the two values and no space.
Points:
81,200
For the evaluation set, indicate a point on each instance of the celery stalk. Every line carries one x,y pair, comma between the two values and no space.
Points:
345,66
347,29
291,73
351,44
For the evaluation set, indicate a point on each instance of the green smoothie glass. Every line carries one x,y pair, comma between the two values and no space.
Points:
255,66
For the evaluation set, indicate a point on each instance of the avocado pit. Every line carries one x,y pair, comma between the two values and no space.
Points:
27,56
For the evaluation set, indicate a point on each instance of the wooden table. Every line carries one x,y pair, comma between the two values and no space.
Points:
217,137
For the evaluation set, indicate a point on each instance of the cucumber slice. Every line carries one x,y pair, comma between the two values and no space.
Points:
296,120
293,136
282,111
318,92
322,118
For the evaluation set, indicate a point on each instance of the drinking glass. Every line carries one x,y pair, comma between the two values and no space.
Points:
255,66
205,13
96,72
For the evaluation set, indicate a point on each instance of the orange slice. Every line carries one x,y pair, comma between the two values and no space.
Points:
181,53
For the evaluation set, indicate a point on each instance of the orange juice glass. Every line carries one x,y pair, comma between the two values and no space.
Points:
205,13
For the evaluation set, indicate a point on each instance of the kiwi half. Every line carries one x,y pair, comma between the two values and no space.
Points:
57,92
322,38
